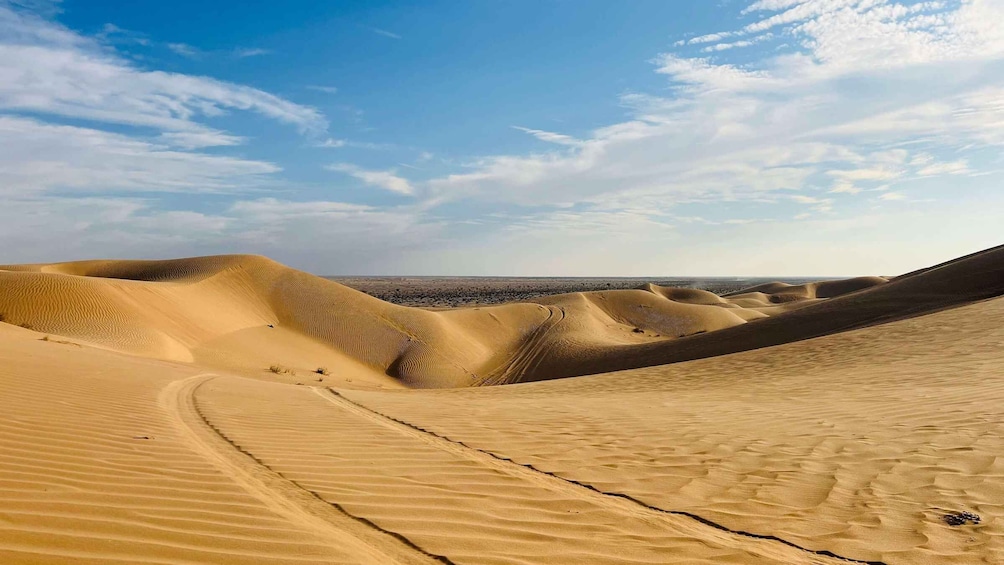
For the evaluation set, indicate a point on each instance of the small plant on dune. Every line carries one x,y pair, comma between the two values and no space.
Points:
280,370
322,371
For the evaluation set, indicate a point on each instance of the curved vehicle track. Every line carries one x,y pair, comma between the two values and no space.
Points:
373,541
527,355
698,527
284,497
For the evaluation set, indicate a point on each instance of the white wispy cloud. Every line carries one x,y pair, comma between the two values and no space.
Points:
845,188
38,157
199,139
725,46
46,8
387,180
183,49
550,137
704,74
710,38
111,33
243,52
333,143
48,69
383,32
959,167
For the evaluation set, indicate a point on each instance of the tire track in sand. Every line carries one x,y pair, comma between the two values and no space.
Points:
529,352
358,536
680,521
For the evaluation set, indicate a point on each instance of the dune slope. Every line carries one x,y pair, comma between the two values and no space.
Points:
858,443
853,303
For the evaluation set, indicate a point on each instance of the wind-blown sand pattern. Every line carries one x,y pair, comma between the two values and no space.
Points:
858,442
827,422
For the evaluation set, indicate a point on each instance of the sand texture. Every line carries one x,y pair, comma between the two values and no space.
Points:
824,422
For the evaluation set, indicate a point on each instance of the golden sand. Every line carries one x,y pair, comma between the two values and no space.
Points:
140,421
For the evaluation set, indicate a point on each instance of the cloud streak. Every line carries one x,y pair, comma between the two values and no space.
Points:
387,180
48,69
184,49
38,157
382,32
245,52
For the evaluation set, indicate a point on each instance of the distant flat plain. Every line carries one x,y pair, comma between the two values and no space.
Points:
459,292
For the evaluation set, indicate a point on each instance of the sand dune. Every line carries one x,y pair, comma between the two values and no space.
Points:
247,313
829,422
221,310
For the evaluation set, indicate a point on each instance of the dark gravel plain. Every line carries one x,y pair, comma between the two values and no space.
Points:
459,292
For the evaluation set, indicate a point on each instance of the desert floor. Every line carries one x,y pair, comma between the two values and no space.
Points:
233,410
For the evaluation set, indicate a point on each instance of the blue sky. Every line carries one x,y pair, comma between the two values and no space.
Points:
770,137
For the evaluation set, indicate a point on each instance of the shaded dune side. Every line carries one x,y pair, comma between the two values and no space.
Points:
823,289
419,347
969,279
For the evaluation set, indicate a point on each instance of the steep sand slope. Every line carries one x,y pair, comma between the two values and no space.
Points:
856,443
246,313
